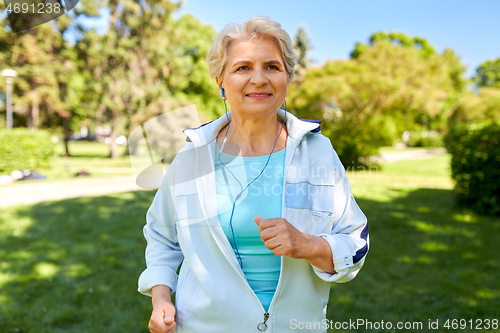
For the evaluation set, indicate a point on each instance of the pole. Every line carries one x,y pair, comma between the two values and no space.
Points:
9,102
10,74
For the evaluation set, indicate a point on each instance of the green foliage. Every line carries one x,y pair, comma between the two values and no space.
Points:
302,45
488,74
147,65
370,101
396,38
454,67
25,149
38,59
474,108
418,139
475,166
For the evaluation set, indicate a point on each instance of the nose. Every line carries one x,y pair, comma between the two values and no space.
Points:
259,77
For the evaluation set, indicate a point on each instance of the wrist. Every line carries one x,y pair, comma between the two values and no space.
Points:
161,293
311,249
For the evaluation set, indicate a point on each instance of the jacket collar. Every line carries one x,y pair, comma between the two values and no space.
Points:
207,133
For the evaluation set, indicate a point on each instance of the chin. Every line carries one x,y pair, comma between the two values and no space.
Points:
260,107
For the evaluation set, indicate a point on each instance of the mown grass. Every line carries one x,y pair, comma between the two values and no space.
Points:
72,265
390,149
91,157
428,260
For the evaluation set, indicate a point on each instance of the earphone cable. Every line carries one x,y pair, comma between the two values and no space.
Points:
239,194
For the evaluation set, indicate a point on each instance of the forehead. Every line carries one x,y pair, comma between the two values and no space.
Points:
256,48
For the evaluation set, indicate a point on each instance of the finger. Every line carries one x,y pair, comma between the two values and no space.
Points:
169,314
156,324
267,223
258,219
169,320
278,250
269,233
171,328
272,243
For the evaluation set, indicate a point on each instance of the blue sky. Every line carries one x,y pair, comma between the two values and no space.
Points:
471,28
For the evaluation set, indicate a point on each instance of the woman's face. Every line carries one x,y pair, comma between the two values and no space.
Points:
254,79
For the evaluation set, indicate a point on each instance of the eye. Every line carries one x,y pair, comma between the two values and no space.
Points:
273,67
242,68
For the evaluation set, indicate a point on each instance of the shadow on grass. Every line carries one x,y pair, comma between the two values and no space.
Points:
427,260
73,265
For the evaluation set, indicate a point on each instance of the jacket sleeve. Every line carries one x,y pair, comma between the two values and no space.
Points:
348,239
163,253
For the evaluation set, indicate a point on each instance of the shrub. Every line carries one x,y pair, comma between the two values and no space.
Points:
432,139
25,149
475,166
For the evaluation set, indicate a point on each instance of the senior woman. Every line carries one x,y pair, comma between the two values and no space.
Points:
257,205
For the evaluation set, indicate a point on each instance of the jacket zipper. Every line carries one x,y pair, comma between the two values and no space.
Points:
262,326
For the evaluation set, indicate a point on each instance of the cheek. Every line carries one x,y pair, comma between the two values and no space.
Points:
235,86
284,86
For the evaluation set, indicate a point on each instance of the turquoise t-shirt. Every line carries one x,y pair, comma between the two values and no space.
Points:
264,198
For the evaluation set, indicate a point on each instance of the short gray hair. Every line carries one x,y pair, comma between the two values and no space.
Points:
255,26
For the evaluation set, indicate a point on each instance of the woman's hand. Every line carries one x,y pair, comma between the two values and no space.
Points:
162,319
284,239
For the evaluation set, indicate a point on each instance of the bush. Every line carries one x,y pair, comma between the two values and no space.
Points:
25,149
432,139
475,166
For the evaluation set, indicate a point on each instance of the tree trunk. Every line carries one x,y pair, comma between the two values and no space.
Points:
66,135
35,114
113,148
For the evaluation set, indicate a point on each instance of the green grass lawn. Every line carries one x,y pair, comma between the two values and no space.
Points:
91,157
72,265
386,150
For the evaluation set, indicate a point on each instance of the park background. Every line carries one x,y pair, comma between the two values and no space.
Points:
386,78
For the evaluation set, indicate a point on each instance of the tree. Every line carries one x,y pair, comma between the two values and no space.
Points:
488,74
368,101
455,68
49,89
34,56
396,38
146,64
302,47
471,108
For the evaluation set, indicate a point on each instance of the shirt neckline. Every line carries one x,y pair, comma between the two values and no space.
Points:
275,154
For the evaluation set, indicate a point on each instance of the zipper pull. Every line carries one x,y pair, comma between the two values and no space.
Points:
263,326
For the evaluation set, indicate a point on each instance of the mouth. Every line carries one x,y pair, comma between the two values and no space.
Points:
259,95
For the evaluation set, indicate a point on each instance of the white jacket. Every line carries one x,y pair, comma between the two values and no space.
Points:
212,294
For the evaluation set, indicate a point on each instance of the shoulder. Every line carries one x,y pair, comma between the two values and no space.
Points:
319,147
317,129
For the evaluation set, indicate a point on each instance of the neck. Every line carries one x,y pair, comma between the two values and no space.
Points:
253,136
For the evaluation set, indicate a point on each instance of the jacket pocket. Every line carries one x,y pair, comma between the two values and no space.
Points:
311,206
314,198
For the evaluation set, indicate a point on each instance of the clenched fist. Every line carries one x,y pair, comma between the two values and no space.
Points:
163,316
283,238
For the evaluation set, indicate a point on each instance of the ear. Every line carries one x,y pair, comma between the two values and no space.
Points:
219,83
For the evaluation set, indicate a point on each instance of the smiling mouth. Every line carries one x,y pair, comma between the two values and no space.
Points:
258,95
